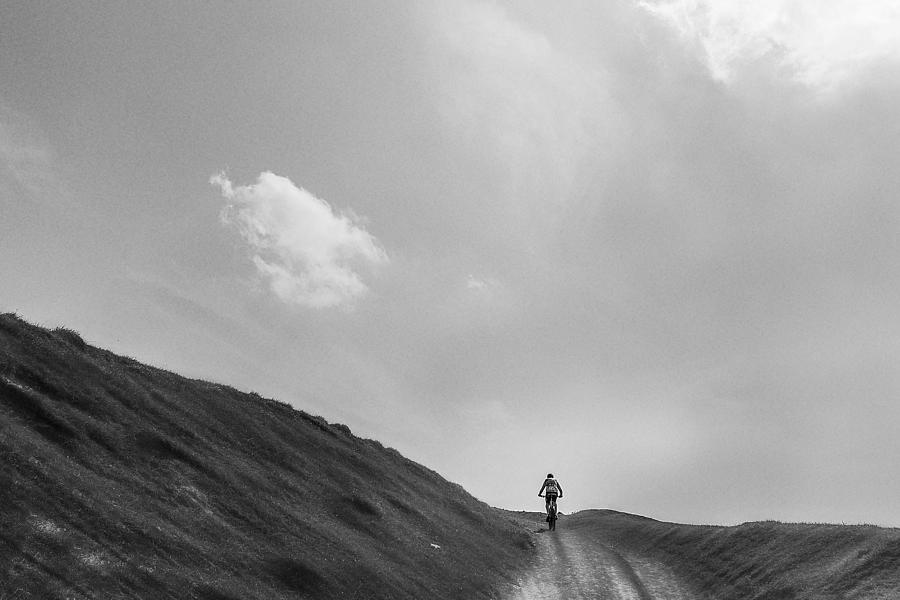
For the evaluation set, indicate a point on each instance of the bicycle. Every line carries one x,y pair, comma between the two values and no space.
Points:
552,514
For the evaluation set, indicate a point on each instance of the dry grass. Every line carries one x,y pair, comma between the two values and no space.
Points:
119,480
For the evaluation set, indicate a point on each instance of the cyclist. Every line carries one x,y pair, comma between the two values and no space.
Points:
554,490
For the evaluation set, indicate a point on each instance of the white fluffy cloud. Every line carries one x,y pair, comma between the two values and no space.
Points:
819,43
306,253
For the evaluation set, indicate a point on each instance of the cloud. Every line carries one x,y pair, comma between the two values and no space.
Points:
26,162
306,253
477,283
529,112
820,44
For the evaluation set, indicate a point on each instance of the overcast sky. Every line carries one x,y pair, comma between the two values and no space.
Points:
651,247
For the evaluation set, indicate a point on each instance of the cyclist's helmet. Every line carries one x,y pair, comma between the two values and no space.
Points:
549,475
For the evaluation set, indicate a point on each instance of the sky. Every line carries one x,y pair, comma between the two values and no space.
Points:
649,246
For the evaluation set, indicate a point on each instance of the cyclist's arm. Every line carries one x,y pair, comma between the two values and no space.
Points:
558,485
540,491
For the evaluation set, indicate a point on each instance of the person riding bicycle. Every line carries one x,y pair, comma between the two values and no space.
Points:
553,488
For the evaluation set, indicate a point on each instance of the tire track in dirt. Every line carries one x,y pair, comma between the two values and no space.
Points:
572,566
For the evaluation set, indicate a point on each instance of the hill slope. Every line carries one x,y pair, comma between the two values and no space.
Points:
756,561
120,480
123,480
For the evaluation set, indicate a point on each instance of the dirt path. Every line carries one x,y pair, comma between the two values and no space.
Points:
574,566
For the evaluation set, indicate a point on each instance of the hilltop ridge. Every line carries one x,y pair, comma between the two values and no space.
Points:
123,480
765,560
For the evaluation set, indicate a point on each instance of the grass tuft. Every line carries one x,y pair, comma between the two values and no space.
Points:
296,576
71,337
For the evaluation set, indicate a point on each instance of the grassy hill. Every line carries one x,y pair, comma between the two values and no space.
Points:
120,480
760,561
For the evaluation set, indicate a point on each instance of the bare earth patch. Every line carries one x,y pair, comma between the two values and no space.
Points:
574,565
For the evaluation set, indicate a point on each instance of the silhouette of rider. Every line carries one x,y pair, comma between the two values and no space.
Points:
553,488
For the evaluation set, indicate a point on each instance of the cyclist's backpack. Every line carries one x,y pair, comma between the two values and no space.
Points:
551,486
